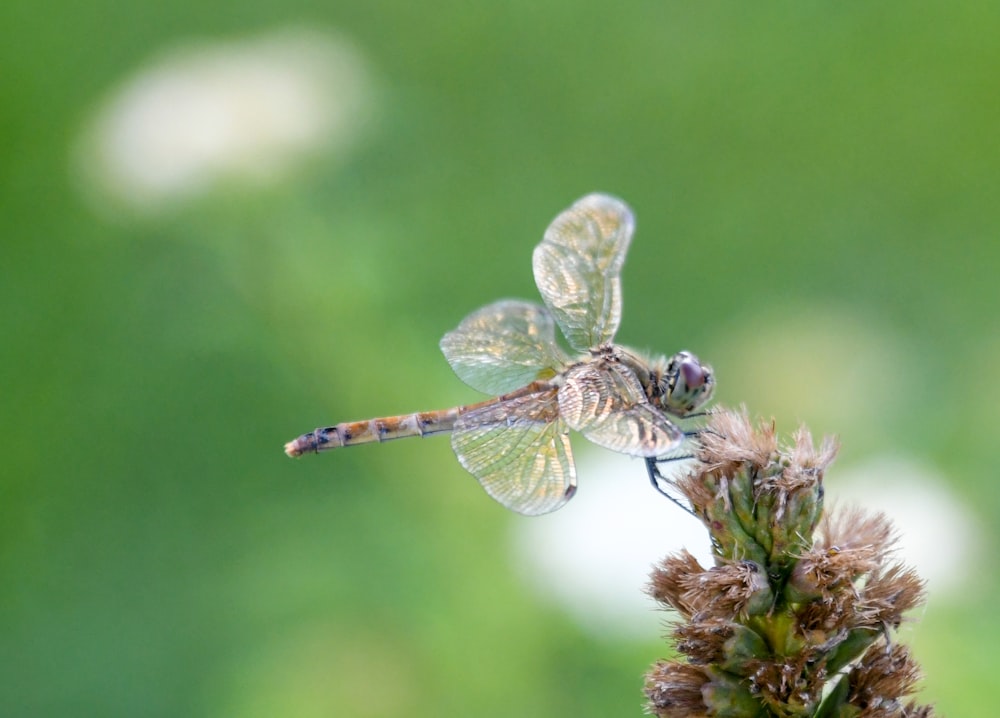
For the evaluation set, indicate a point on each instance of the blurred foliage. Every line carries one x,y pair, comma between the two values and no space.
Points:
796,168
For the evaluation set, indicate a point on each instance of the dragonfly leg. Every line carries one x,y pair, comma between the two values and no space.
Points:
699,414
655,477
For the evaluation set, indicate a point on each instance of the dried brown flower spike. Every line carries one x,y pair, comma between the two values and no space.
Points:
795,618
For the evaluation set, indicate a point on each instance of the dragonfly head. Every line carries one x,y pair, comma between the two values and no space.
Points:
687,384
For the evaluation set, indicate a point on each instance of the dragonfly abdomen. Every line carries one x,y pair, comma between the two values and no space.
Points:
423,423
349,433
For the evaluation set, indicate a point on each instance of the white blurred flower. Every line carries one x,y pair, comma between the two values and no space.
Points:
937,533
247,110
593,557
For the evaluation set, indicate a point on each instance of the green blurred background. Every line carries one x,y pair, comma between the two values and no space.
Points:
816,187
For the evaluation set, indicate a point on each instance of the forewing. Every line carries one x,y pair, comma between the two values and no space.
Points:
504,346
578,266
519,451
605,402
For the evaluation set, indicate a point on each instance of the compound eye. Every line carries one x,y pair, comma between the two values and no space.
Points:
692,373
691,384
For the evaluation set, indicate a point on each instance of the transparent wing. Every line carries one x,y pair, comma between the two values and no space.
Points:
504,346
519,451
578,266
605,402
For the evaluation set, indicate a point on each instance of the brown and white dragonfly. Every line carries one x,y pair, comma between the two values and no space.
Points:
517,444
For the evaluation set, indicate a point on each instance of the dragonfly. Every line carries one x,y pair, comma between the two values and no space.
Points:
517,443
